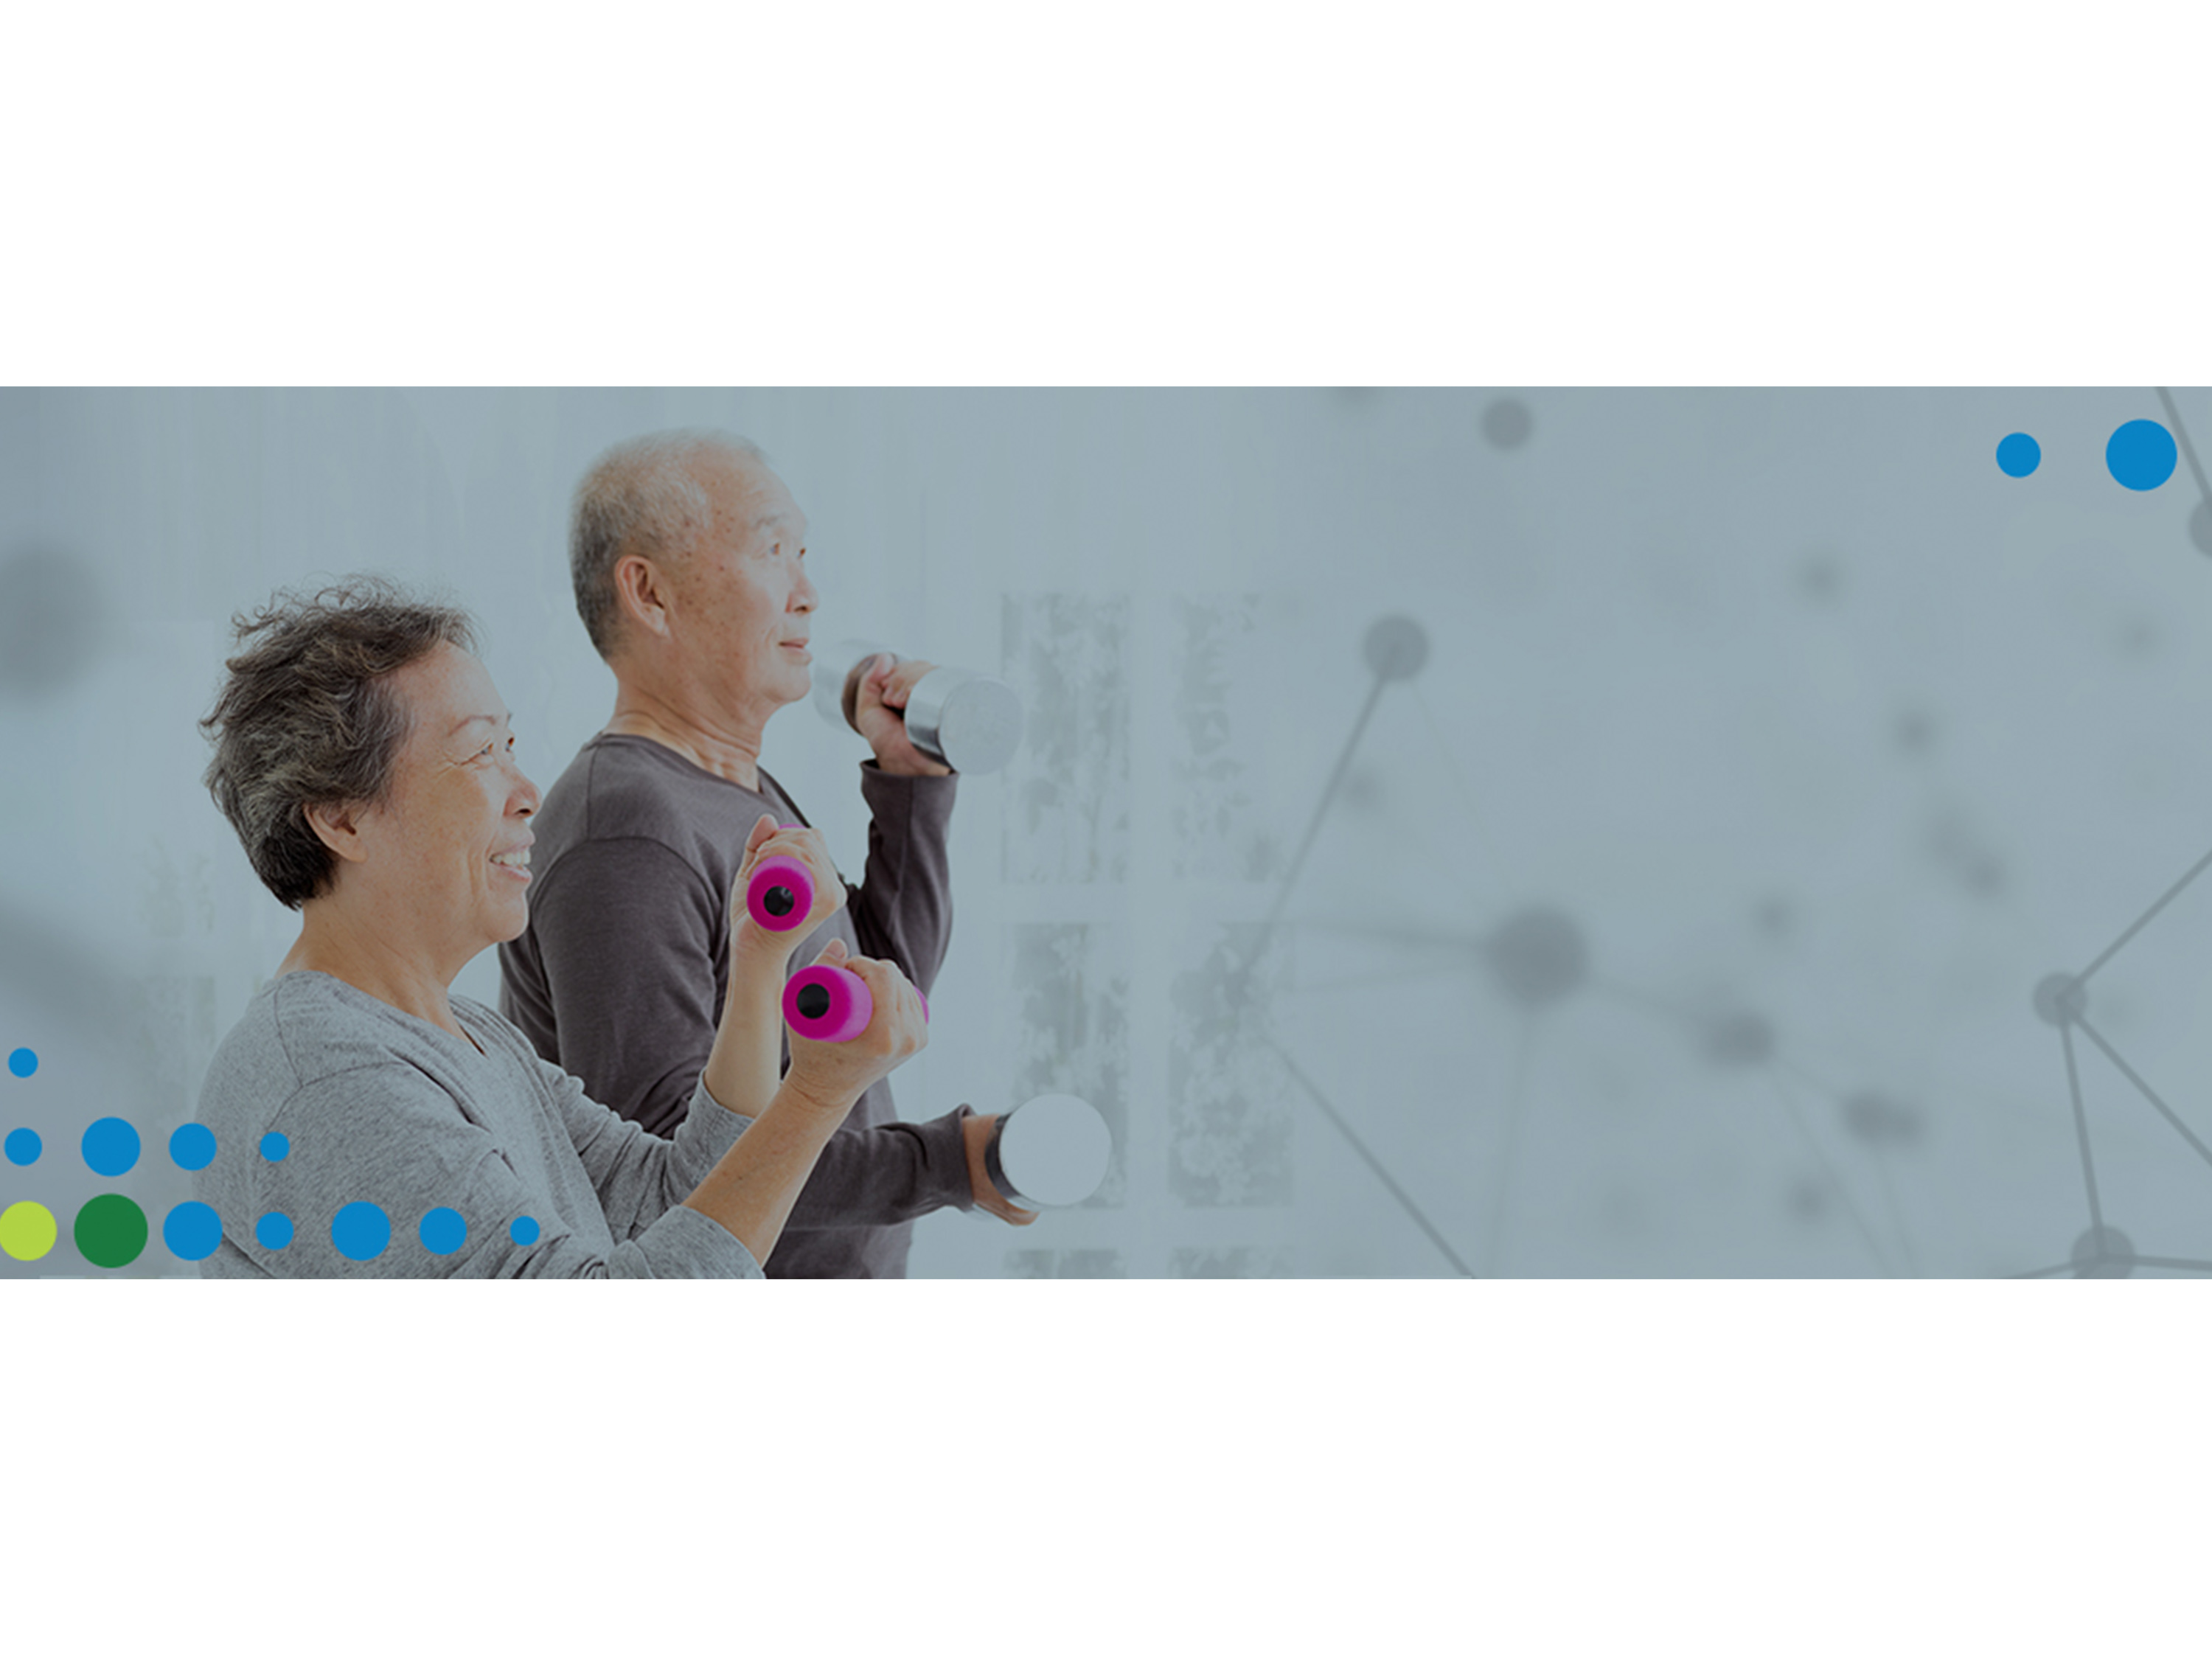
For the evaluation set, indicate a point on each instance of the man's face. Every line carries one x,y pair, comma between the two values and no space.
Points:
745,603
444,842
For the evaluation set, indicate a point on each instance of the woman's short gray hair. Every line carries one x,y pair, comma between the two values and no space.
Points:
307,717
642,496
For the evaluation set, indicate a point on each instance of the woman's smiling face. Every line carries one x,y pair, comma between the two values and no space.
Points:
448,846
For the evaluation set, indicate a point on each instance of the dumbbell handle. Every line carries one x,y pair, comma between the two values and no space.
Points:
780,895
840,1006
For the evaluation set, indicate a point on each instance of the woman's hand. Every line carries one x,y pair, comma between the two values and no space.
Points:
834,1075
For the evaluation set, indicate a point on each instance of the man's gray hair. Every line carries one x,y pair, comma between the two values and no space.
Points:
642,496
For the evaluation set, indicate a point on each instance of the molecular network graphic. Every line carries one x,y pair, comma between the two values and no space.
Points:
1539,955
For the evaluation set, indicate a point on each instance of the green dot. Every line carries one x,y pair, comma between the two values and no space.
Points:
26,1231
111,1231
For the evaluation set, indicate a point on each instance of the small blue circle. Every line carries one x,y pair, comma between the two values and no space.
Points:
24,1147
444,1232
273,1231
23,1062
274,1147
192,1147
192,1231
2141,455
2019,455
524,1231
360,1231
111,1147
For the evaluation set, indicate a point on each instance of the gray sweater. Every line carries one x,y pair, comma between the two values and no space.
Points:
621,975
377,1107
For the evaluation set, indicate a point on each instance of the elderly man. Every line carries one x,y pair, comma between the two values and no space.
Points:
688,557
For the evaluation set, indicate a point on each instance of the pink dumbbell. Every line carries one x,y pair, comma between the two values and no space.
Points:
831,1005
781,894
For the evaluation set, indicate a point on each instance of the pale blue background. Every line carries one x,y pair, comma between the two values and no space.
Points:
1792,700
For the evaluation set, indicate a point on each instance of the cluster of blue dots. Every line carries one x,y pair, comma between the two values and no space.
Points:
2140,455
360,1231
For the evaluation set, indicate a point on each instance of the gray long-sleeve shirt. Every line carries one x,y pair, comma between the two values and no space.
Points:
376,1107
621,974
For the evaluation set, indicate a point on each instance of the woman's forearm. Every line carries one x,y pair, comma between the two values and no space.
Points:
752,1190
746,1062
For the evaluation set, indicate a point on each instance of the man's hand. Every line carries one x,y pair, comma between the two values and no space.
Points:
976,1133
883,692
767,840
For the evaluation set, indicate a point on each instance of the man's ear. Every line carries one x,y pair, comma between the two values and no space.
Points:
337,826
641,593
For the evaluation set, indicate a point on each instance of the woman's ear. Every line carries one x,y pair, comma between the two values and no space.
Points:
337,826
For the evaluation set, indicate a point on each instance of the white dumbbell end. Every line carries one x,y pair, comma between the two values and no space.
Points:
1049,1152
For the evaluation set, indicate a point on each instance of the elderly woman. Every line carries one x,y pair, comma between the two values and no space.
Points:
368,1123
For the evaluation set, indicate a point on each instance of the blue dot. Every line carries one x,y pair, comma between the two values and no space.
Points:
444,1232
360,1231
192,1147
111,1147
273,1231
24,1147
274,1147
2019,455
2141,455
524,1231
192,1231
23,1062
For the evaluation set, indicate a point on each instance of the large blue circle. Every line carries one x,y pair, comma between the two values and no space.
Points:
360,1231
274,1147
192,1231
111,1147
23,1062
273,1230
2141,455
444,1232
24,1147
524,1229
193,1146
2019,455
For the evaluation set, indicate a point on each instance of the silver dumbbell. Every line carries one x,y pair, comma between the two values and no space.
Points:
1049,1152
971,721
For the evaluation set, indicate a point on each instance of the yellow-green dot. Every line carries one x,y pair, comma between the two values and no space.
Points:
27,1230
111,1231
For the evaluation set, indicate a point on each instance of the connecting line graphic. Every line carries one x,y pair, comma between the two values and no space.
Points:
2063,1001
1499,1200
2188,449
1405,1199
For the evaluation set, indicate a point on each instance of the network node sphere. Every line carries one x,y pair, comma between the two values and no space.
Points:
1739,1039
1507,424
1878,1120
1539,956
2140,455
1396,647
2060,1000
2104,1253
